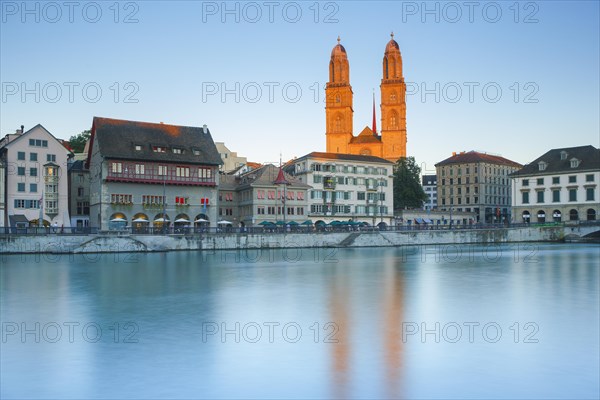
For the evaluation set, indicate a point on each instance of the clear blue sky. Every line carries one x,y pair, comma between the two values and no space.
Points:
177,53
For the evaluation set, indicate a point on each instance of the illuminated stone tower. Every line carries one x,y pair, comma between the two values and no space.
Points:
338,102
393,104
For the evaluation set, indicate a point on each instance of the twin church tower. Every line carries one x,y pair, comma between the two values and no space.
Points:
391,142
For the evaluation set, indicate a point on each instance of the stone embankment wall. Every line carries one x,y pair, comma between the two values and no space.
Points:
53,243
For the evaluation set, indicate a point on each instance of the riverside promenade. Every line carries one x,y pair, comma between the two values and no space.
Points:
244,239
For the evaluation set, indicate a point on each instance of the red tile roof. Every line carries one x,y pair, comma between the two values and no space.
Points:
476,157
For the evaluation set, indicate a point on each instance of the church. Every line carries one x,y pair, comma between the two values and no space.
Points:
390,143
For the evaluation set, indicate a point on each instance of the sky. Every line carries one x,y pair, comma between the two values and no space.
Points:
509,78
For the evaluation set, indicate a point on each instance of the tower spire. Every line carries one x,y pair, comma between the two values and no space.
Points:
374,117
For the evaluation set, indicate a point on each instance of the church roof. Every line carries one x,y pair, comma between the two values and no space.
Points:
392,45
366,136
338,50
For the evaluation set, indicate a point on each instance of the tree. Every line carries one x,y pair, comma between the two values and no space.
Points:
78,142
408,192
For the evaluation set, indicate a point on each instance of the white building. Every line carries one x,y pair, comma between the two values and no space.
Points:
561,185
36,181
347,187
429,183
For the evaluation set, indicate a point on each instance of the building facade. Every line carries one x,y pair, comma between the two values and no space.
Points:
347,187
478,183
231,160
561,185
390,144
429,183
79,194
265,194
151,175
35,179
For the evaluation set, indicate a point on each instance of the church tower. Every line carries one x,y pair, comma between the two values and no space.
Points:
338,102
393,104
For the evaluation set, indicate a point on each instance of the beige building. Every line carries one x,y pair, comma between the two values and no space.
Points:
231,160
478,183
265,194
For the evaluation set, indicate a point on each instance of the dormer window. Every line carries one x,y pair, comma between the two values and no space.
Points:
563,155
574,163
177,151
159,149
196,152
542,165
138,147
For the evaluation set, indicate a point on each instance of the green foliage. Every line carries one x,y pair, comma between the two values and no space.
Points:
408,192
78,142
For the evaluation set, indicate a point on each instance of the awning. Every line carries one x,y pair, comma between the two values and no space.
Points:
18,218
118,219
224,223
419,220
180,220
428,221
140,220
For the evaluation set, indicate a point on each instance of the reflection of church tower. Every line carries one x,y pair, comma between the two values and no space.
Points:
338,102
393,104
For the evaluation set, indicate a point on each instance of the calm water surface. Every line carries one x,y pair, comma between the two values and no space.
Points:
424,322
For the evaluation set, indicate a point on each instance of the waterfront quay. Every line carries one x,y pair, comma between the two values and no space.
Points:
229,238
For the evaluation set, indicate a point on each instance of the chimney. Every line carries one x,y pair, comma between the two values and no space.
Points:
22,128
453,153
205,128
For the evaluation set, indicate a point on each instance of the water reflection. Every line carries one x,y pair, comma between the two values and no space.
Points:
368,293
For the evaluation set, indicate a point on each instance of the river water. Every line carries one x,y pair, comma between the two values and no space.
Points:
519,320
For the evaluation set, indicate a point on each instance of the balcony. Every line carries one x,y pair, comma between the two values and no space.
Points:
151,176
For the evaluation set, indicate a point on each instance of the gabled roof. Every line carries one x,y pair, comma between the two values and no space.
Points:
588,156
366,136
117,139
13,138
344,157
475,157
266,176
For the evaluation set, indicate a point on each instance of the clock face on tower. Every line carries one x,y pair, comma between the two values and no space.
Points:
365,152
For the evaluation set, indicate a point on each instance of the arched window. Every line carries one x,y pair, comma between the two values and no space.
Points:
393,97
365,152
541,216
591,214
526,216
338,123
385,68
556,215
573,215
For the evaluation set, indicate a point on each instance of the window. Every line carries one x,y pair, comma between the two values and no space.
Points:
360,195
51,157
540,181
33,187
121,199
177,151
563,155
21,171
540,196
573,179
556,180
80,191
139,169
525,198
542,166
589,178
20,187
183,172
162,170
589,194
556,196
19,203
38,143
300,210
32,171
83,208
138,147
21,155
159,149
197,153
116,167
572,194
574,163
32,156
